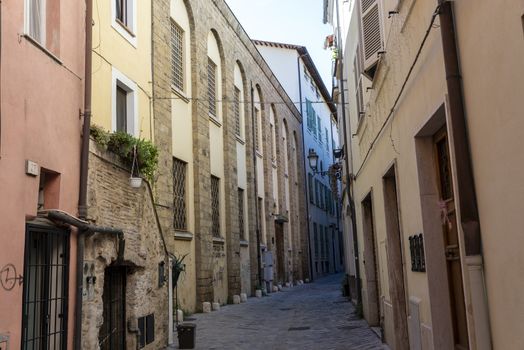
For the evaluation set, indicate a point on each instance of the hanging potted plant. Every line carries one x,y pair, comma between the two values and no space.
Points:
135,180
177,267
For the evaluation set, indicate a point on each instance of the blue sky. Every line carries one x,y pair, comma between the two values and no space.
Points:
288,21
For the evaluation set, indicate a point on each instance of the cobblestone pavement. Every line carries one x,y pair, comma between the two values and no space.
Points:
311,316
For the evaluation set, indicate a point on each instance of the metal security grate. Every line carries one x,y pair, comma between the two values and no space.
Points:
179,195
177,56
112,333
46,267
241,229
215,206
236,107
211,87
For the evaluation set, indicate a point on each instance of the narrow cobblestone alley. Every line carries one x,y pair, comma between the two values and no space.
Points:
311,316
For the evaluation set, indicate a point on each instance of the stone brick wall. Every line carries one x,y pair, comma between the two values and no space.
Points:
112,202
235,46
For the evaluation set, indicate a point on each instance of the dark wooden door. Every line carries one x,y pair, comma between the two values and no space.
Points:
450,231
279,237
113,332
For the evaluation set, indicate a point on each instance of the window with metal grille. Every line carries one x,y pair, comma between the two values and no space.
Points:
241,229
46,274
146,325
179,195
112,335
236,111
257,129
211,87
215,206
177,56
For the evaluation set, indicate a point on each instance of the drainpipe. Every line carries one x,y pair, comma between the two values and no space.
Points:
304,165
0,79
465,182
84,155
257,224
349,182
469,216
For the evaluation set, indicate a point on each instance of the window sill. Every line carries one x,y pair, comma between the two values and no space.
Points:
240,139
219,240
215,121
42,48
125,27
244,243
183,236
125,32
179,93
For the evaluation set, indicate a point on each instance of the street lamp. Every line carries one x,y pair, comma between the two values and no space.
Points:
313,159
313,164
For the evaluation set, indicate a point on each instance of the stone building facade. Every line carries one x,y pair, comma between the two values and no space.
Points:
129,270
210,77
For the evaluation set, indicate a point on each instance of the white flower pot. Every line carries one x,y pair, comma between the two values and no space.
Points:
135,182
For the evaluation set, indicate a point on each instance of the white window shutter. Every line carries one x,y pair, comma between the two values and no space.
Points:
372,42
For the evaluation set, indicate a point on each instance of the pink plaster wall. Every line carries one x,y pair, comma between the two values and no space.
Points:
40,103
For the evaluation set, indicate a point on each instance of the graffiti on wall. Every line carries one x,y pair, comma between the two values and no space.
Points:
9,278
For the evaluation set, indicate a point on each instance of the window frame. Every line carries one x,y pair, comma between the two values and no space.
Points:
127,30
43,25
120,80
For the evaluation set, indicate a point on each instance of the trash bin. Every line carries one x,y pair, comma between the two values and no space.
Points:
186,335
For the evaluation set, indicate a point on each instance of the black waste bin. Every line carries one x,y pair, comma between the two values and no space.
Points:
186,335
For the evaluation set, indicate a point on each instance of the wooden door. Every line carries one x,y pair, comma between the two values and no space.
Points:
450,231
279,237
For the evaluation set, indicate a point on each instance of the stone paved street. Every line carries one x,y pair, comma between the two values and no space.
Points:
312,316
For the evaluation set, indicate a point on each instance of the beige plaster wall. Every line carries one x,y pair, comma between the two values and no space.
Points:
493,76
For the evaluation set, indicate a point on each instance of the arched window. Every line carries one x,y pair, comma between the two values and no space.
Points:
180,52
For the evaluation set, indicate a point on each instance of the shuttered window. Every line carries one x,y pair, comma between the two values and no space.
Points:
310,187
371,34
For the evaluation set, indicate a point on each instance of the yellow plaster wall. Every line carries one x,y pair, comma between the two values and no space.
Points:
111,49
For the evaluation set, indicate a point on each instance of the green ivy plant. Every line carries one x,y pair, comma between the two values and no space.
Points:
123,145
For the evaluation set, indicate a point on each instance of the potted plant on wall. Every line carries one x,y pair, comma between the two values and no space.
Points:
135,180
177,267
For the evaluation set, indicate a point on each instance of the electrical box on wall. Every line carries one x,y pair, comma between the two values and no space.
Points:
4,342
